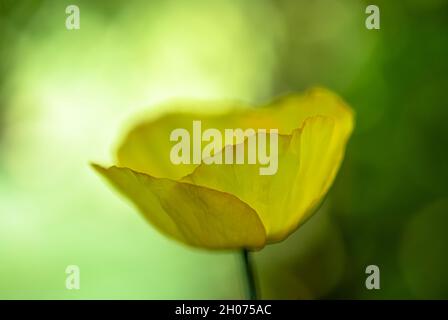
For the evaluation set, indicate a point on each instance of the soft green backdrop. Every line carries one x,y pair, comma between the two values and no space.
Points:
66,96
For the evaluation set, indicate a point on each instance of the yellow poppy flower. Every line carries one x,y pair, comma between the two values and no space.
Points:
231,206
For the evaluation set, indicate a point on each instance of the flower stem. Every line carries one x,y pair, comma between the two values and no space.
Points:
250,277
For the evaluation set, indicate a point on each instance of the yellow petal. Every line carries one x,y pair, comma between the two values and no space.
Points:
147,147
233,205
195,215
308,161
289,112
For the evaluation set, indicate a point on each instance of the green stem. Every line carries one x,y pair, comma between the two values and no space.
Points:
250,276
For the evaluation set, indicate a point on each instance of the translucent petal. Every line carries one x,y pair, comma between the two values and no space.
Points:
232,205
146,148
192,214
308,161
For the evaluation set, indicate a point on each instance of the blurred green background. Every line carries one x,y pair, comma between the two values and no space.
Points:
65,97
